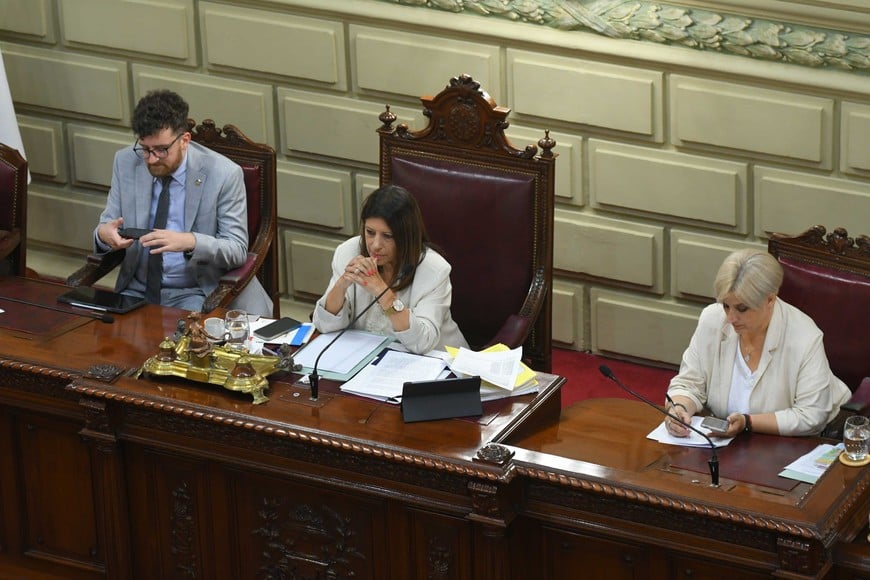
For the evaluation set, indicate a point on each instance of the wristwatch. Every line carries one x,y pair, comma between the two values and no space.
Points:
397,306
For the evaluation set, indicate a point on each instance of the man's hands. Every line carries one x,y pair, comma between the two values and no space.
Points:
160,241
108,234
157,242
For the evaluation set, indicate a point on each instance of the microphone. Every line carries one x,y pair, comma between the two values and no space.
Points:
313,379
105,317
714,458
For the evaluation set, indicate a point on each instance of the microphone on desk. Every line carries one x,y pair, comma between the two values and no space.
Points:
104,317
313,378
714,458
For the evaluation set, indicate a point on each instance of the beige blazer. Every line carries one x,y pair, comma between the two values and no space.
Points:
793,378
428,300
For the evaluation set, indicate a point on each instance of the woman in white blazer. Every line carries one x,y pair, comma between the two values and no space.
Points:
755,359
391,261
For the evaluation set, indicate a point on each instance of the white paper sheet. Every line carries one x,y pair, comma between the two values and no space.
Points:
385,377
501,368
660,434
805,468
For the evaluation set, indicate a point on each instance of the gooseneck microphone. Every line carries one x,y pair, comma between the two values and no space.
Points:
714,458
104,317
313,378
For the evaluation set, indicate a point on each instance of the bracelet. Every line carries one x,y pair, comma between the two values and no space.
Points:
674,405
748,427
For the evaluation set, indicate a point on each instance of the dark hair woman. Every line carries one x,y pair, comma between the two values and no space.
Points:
391,258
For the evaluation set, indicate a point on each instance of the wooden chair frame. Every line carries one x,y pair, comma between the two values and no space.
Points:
13,211
465,133
833,254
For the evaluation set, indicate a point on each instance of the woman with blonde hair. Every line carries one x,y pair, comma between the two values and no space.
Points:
755,359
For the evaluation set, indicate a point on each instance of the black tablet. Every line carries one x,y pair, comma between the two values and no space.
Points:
104,300
441,399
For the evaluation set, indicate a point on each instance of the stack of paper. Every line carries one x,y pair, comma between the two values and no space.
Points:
384,378
501,371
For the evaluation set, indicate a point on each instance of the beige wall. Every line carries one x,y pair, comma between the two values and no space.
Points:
669,157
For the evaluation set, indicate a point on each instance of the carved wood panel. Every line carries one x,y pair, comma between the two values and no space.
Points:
283,529
171,515
440,547
565,553
58,491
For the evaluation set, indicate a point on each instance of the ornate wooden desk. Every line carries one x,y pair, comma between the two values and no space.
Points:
106,476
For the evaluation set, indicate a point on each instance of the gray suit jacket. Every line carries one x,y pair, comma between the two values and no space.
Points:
215,211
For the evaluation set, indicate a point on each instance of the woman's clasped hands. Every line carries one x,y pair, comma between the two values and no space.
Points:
363,270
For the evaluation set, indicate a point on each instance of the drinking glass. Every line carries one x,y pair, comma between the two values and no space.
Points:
237,328
215,328
856,435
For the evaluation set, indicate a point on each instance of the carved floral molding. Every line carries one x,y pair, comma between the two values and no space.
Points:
681,26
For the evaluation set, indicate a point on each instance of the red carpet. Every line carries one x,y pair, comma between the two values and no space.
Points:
585,381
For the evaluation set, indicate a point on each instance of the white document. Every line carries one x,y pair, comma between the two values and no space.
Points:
805,468
354,347
661,435
492,393
501,368
385,377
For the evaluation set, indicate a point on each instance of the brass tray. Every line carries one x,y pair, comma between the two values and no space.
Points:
193,354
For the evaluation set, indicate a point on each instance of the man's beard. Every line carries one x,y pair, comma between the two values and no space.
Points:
159,170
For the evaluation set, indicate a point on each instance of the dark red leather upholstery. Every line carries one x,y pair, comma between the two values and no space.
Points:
491,265
839,303
488,207
827,276
253,187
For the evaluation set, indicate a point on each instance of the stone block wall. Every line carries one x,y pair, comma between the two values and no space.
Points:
669,157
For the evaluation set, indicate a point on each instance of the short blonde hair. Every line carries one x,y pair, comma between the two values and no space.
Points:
751,275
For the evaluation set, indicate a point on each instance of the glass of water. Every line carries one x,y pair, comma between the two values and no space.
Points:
237,328
856,435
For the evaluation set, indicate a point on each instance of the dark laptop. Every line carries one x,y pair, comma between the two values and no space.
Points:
103,300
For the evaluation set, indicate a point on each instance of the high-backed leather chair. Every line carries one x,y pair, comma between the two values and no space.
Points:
13,212
827,276
489,207
258,163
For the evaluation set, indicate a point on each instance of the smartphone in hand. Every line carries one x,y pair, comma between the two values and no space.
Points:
715,424
133,233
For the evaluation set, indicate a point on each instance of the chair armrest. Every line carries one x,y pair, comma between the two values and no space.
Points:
231,284
515,330
9,241
860,401
97,266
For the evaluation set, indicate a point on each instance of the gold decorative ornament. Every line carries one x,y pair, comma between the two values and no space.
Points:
194,354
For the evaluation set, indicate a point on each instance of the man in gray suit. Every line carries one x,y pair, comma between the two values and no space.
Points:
194,201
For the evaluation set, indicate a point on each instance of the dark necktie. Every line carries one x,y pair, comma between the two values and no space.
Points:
155,261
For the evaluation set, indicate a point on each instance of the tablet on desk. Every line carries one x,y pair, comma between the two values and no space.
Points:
103,300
